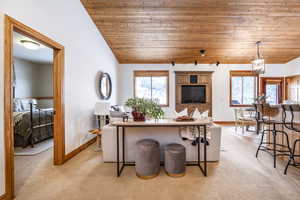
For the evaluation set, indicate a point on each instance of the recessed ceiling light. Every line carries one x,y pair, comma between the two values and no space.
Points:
30,44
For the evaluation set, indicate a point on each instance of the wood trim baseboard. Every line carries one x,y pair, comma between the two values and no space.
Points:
224,122
79,149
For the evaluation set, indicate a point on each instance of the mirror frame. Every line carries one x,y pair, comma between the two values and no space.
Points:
103,96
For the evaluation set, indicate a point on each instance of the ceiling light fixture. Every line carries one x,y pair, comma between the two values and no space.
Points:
202,52
30,44
173,63
258,65
196,63
218,63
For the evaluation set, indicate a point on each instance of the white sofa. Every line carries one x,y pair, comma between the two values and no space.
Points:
164,135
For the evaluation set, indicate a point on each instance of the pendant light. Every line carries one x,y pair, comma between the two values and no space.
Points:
258,65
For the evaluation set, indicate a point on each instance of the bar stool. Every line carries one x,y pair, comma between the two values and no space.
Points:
258,119
292,125
267,112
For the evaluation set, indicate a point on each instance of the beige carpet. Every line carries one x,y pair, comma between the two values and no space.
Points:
238,176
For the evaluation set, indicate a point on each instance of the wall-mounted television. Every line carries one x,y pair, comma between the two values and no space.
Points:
193,94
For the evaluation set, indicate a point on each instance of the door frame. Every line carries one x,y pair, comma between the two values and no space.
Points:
280,80
58,97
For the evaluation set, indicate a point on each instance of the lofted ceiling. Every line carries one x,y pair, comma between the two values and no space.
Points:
159,31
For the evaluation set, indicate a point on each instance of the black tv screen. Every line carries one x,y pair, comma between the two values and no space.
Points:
193,94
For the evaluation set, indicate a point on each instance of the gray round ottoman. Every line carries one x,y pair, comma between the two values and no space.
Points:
175,159
147,160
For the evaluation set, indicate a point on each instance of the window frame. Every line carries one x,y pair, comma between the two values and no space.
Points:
241,73
152,73
280,81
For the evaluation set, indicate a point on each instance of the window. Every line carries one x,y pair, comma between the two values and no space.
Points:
272,93
243,88
152,85
272,88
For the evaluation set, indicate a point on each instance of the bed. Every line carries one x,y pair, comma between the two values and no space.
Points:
32,124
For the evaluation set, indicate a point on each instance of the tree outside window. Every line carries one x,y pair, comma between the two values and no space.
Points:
152,85
243,88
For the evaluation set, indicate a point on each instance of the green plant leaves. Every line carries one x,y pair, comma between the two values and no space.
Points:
148,107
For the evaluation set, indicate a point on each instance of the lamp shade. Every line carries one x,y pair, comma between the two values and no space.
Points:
102,108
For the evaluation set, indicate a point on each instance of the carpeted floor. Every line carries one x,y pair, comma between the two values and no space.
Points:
31,151
238,176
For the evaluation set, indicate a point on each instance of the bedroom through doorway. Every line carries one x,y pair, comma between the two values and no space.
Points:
33,113
33,105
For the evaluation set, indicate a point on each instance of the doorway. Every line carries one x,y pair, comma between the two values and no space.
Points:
13,26
273,89
32,107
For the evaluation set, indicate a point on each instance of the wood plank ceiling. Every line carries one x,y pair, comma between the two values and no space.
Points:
160,31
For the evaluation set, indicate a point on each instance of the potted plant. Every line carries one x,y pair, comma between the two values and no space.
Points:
142,108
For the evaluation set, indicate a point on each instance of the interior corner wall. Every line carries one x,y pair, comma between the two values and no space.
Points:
45,80
221,111
33,79
86,53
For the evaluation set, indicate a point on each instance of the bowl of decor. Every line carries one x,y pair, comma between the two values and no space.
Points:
184,119
144,108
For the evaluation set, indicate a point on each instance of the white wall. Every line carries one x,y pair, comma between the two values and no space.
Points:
25,78
44,80
220,82
294,67
86,53
33,79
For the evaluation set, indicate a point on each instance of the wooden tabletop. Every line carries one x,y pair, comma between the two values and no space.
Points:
162,122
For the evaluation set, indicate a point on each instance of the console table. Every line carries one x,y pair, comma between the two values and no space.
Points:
162,123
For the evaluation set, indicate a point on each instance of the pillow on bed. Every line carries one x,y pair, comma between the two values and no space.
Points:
25,103
17,106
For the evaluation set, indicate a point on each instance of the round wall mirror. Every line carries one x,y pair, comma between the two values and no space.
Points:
105,86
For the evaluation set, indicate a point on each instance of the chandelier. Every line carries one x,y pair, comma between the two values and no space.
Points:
258,65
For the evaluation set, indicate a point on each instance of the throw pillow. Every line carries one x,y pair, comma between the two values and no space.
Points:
184,112
204,114
197,114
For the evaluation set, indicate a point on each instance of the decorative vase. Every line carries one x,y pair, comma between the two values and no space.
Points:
138,116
